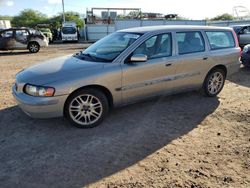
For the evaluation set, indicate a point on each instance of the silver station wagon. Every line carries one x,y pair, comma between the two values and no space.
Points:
127,66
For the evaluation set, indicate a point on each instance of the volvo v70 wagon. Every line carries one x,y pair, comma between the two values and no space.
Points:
127,66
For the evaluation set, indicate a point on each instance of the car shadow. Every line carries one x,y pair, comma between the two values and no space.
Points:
52,153
7,53
242,77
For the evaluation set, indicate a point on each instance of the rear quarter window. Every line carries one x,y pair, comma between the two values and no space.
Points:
220,39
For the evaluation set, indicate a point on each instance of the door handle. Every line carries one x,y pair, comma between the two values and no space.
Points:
168,64
205,58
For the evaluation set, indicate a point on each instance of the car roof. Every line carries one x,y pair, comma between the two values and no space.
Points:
172,27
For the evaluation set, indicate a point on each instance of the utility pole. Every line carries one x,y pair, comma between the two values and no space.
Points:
63,11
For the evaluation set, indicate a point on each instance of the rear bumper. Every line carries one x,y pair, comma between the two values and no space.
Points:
40,107
44,43
233,68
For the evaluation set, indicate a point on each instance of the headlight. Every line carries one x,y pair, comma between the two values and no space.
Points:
39,91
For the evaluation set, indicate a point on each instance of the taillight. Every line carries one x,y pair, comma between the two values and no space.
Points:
236,38
237,43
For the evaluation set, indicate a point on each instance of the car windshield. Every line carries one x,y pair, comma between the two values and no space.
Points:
68,30
108,48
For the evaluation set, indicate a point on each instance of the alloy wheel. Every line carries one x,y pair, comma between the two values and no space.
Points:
215,82
85,109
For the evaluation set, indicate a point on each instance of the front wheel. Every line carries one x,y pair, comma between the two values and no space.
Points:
214,82
86,108
34,47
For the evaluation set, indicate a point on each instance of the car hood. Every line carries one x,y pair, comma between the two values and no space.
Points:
56,69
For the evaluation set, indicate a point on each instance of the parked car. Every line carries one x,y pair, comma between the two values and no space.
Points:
47,33
125,67
243,33
245,56
22,38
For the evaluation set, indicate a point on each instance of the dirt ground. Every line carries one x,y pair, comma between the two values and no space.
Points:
185,140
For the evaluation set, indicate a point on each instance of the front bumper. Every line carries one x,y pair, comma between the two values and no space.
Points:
40,107
69,38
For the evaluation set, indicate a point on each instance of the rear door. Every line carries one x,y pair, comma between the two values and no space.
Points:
193,60
145,79
21,38
7,40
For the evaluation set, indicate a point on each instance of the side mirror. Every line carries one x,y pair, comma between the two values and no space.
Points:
139,58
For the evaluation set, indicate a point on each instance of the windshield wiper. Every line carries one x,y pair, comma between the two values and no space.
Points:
94,58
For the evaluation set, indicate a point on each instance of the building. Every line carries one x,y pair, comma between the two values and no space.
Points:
5,24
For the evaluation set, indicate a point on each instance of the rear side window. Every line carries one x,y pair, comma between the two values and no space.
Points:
190,42
220,39
21,33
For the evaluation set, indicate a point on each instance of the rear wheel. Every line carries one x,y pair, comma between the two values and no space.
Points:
214,82
34,47
86,108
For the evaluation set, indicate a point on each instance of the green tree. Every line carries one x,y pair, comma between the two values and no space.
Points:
5,18
69,16
29,18
223,17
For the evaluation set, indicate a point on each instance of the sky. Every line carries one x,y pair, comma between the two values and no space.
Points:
192,9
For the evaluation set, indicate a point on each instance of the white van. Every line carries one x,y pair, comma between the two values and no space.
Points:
69,31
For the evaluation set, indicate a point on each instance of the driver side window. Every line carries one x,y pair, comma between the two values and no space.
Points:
156,47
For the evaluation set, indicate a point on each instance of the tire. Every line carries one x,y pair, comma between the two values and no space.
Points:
34,47
86,108
214,82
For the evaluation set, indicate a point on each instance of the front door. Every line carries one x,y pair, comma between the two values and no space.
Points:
7,40
145,79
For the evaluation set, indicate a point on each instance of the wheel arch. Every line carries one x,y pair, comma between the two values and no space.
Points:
32,41
101,88
222,67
